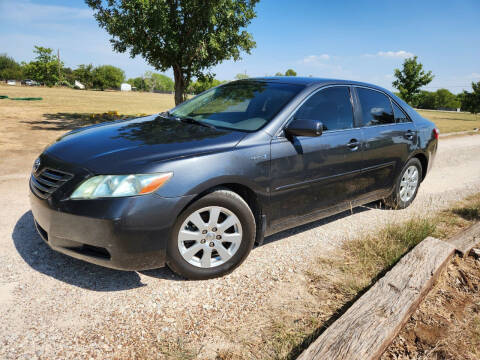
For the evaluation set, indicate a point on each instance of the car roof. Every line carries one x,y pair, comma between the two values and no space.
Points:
312,81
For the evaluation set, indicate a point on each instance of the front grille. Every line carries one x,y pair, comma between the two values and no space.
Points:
47,181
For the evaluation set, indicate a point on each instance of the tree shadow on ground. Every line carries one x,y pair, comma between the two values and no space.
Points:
41,258
72,121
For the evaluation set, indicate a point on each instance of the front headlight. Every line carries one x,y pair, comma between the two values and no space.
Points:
119,185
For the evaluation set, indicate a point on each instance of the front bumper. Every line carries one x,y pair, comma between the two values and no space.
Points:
121,233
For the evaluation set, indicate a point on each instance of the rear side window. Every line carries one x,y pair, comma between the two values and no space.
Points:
332,106
399,115
376,107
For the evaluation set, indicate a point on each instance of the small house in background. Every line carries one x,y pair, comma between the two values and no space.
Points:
125,87
79,85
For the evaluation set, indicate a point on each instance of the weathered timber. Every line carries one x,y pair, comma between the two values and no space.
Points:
466,239
372,322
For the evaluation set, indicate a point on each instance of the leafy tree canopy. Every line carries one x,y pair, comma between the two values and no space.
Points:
45,68
471,100
410,79
290,72
138,83
84,74
159,82
9,68
107,77
445,99
440,99
189,36
241,76
201,85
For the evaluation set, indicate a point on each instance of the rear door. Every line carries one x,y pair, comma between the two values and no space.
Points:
389,137
315,173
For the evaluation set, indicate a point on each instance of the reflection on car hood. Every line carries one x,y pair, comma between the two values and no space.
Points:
123,145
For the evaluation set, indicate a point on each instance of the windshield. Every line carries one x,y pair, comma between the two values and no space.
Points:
241,105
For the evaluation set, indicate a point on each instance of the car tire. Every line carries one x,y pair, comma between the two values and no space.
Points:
406,185
203,244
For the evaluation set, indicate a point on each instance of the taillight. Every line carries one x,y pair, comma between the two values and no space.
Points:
436,133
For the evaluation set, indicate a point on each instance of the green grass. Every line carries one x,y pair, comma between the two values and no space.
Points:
366,258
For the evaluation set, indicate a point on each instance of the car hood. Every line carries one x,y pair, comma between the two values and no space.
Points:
133,145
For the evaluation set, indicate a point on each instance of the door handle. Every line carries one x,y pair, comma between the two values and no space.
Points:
353,144
409,134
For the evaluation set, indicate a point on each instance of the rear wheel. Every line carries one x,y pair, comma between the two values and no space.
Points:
212,236
407,185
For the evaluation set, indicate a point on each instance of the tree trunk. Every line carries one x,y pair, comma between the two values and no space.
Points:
179,85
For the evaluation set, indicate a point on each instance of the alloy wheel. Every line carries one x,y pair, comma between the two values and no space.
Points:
209,237
409,183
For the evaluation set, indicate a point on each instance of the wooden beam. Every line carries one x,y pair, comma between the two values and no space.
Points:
467,239
373,321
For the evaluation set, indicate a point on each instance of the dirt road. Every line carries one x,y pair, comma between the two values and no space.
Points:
52,306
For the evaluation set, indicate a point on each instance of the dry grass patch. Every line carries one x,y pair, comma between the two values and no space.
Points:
342,277
363,260
448,122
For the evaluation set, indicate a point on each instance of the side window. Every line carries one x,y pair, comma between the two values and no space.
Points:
400,116
376,107
331,106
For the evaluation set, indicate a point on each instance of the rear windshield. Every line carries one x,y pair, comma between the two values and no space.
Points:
242,105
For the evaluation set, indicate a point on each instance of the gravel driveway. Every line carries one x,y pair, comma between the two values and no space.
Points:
53,306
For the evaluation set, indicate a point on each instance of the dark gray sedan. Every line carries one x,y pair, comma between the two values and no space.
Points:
196,187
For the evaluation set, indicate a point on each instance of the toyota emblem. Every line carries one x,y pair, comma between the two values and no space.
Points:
36,165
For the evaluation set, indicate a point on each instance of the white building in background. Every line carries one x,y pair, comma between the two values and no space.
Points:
79,85
126,87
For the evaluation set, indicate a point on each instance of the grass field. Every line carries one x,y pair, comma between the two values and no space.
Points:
63,109
28,126
449,122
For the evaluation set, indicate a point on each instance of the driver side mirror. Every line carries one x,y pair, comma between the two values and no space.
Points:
299,127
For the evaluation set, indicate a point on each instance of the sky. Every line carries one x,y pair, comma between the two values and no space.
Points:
361,40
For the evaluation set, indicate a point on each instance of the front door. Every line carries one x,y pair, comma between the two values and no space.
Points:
311,174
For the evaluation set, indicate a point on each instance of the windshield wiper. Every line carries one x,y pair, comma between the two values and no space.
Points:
191,120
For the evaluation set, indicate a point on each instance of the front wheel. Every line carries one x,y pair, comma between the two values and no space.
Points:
407,185
212,236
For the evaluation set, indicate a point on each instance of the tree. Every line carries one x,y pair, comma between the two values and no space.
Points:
201,85
442,98
411,78
138,83
241,76
45,68
425,100
189,36
445,99
290,72
471,100
159,82
68,76
107,77
279,74
84,74
9,68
